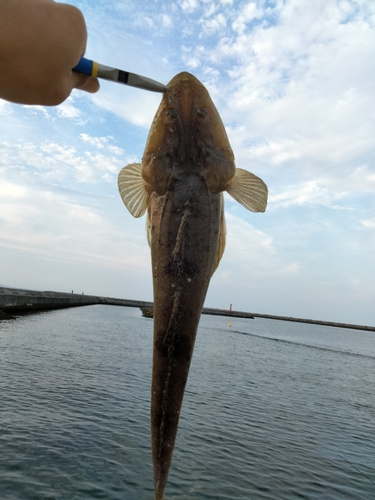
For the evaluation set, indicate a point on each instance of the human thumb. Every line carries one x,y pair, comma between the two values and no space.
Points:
84,82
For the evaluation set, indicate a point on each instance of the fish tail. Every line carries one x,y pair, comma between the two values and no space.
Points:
159,488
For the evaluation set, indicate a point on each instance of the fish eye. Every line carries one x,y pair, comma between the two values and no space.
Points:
171,114
202,112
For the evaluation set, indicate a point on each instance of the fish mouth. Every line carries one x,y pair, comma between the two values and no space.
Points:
184,78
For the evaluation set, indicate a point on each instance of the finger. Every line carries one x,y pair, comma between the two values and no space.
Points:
91,85
84,82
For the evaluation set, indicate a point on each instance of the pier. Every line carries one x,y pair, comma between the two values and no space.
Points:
15,301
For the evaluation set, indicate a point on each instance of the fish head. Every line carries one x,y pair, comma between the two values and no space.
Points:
187,137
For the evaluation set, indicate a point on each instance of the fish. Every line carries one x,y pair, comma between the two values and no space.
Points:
186,167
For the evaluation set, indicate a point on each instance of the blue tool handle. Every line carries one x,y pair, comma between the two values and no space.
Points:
84,66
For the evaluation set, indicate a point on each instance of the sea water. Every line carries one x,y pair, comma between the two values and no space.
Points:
272,410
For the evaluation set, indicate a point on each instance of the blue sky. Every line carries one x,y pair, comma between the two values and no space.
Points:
294,82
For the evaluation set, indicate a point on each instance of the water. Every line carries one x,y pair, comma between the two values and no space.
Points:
273,410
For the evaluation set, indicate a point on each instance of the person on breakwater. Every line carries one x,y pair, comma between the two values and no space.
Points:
40,42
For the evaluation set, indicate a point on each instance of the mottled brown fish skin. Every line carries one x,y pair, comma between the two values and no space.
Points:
182,265
187,164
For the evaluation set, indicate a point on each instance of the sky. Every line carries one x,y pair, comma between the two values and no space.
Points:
294,83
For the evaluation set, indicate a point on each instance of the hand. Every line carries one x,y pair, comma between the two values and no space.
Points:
40,42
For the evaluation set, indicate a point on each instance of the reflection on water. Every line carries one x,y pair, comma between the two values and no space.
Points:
273,410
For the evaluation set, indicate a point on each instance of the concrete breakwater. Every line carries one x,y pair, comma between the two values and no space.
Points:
15,301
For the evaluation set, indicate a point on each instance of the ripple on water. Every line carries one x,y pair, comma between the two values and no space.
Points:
261,419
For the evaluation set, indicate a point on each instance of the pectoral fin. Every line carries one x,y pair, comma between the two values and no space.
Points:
249,190
222,236
133,189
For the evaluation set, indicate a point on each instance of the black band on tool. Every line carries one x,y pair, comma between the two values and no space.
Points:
123,76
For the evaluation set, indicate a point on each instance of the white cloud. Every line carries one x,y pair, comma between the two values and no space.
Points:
102,143
192,62
52,224
370,224
189,5
150,22
290,269
99,142
166,21
55,162
245,243
304,194
11,191
248,13
5,108
68,110
361,179
38,109
115,150
135,106
277,152
294,84
212,8
212,25
132,159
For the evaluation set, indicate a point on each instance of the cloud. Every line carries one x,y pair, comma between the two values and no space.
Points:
51,161
99,142
290,269
294,85
245,243
135,106
362,179
213,25
34,110
166,21
309,193
188,5
5,108
52,224
11,191
248,13
68,110
370,224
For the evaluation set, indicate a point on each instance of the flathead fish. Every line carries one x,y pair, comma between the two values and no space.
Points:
187,165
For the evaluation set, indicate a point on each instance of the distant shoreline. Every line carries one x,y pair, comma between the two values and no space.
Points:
18,301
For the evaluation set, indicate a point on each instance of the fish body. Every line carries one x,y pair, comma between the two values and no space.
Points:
187,165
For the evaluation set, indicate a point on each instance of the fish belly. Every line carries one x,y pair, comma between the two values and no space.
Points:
184,239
